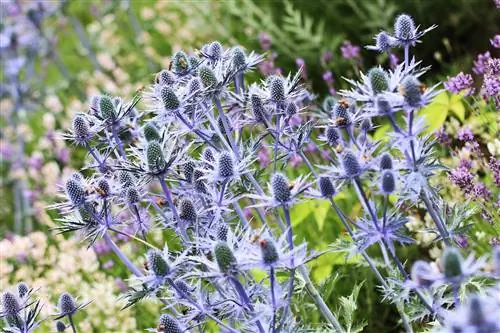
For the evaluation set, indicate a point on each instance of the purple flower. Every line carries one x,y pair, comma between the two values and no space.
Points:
443,137
495,42
265,41
393,60
328,78
295,160
460,82
481,62
481,191
108,264
326,57
264,157
494,165
463,179
491,84
466,164
350,51
465,134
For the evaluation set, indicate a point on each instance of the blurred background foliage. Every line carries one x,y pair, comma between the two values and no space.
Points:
115,47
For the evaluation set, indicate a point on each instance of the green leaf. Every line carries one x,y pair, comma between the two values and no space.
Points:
457,106
436,112
300,212
320,212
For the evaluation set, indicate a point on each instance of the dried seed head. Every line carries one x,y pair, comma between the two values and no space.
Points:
215,50
75,191
157,264
125,178
165,77
168,324
60,327
188,170
10,304
222,231
385,161
169,98
277,89
332,135
224,257
22,289
383,105
452,262
379,80
350,163
67,304
151,132
132,196
187,211
387,182
404,27
107,108
326,187
225,165
81,127
154,156
239,58
180,62
258,109
291,109
207,76
411,91
280,188
269,251
198,181
383,41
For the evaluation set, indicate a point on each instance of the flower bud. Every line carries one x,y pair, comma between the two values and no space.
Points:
277,89
225,165
385,161
187,211
383,41
452,262
10,304
207,76
222,231
224,257
75,191
168,324
157,264
60,327
67,304
154,156
379,80
351,164
326,187
238,58
269,251
151,132
188,170
180,62
332,135
387,182
280,188
22,289
259,112
81,128
411,91
404,27
107,108
169,98
165,77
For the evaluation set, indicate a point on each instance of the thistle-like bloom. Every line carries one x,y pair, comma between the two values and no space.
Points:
282,192
383,42
406,33
68,306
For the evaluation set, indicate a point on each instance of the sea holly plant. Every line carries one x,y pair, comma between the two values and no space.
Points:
183,162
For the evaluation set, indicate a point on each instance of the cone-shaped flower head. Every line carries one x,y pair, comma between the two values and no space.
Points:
222,231
67,304
387,182
476,311
132,196
224,257
188,170
103,187
277,89
269,251
183,286
81,128
125,178
169,98
180,62
404,28
151,132
350,163
341,113
383,41
238,58
452,262
326,187
157,264
198,181
329,103
22,289
154,156
379,80
366,125
168,324
383,105
187,211
280,188
207,76
411,90
385,161
332,135
60,327
259,112
10,304
165,77
194,85
215,50
75,191
291,109
107,108
225,165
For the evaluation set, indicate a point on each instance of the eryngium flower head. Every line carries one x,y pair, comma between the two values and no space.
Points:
67,304
188,170
60,327
451,260
154,156
410,88
215,50
10,304
383,41
207,76
291,109
131,196
199,182
225,165
269,252
476,313
332,135
168,324
329,103
277,89
341,113
169,98
222,231
224,257
259,112
22,289
107,108
280,188
180,62
387,182
125,178
103,187
404,28
326,187
75,191
350,163
151,132
208,154
157,264
385,161
379,80
238,58
187,211
165,77
383,105
183,286
194,85
366,125
81,129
